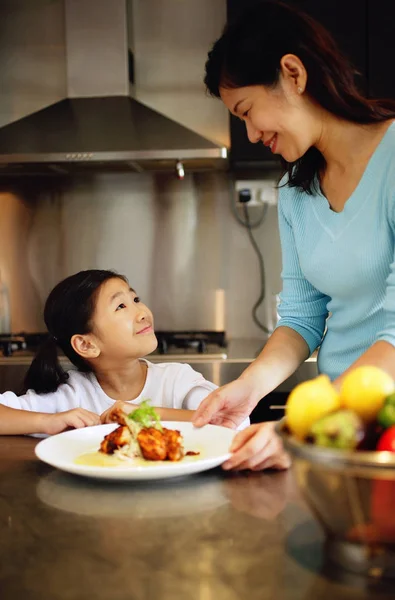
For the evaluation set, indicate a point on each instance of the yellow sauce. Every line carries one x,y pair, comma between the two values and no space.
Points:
98,459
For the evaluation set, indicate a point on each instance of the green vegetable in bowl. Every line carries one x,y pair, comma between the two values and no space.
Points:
146,416
386,416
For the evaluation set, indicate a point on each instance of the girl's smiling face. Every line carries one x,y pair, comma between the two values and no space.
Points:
123,327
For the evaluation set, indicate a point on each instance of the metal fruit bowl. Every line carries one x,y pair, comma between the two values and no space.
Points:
352,494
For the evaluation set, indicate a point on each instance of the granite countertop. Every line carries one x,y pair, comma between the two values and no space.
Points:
214,536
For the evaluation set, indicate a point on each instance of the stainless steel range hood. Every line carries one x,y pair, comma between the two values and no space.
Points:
100,125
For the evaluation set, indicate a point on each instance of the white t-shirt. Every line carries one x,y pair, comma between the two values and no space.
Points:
168,385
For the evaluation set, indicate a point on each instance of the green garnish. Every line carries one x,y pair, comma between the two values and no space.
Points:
146,416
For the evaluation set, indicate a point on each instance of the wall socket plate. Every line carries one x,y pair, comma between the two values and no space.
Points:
262,191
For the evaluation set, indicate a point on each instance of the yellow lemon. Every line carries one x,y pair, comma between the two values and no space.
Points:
308,402
364,390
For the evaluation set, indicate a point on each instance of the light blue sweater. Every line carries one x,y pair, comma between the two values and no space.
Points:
339,268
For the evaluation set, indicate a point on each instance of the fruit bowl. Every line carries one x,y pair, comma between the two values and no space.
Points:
352,494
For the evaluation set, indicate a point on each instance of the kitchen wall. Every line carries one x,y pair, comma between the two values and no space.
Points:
177,241
32,51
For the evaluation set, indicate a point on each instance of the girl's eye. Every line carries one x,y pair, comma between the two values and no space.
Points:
122,305
245,114
136,299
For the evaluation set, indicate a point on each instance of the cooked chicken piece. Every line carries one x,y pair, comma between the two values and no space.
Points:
175,446
121,436
118,416
152,444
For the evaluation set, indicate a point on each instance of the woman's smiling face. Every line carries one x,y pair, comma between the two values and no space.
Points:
280,117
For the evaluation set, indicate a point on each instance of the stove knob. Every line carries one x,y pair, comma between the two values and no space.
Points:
202,346
162,347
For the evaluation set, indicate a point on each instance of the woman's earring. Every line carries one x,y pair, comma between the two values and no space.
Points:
300,90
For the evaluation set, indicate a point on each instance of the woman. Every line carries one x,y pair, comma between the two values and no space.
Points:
282,74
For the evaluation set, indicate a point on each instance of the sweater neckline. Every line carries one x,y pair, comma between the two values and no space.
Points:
335,222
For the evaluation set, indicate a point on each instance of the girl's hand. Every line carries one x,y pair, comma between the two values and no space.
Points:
70,419
228,405
109,415
258,447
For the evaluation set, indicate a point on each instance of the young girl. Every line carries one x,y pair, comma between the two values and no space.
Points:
103,328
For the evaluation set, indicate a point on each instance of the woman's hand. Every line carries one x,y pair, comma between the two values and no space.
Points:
228,405
70,419
258,447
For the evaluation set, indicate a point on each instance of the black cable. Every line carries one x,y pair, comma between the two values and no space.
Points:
261,264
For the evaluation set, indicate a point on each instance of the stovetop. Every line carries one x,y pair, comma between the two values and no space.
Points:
171,344
14,342
207,344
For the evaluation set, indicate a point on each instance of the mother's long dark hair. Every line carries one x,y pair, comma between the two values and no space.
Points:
249,52
68,311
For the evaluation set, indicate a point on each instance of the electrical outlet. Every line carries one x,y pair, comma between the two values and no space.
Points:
261,192
268,193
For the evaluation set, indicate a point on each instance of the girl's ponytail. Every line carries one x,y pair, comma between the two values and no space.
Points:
45,374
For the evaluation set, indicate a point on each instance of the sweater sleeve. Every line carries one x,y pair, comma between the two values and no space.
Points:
302,307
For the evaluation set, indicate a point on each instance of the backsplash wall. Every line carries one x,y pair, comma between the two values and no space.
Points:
177,242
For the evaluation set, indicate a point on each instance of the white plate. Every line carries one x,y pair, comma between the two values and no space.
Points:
211,441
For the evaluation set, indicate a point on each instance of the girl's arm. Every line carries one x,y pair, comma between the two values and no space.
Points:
174,414
20,422
165,414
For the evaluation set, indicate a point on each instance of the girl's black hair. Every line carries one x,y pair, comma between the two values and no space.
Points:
249,53
68,311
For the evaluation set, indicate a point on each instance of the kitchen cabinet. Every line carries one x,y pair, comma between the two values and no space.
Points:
381,48
347,21
243,153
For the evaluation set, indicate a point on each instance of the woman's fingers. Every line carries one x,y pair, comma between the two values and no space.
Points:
207,409
228,405
253,460
279,463
242,438
224,421
253,440
258,447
